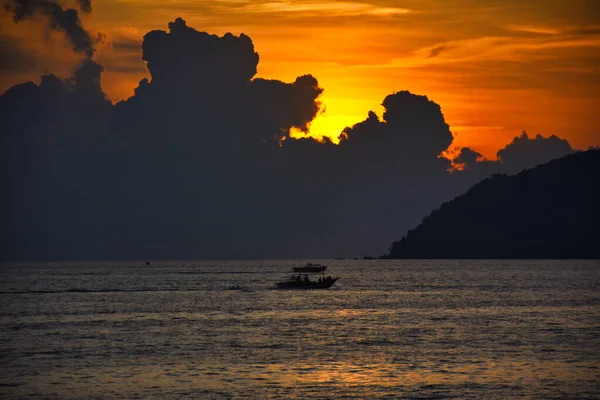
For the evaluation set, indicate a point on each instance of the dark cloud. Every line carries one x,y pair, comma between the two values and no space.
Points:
467,157
50,153
412,125
205,59
290,105
13,57
85,5
60,19
435,51
199,163
524,152
187,160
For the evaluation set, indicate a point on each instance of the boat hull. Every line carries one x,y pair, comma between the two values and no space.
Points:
303,285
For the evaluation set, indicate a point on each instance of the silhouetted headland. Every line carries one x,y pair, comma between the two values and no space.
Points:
550,211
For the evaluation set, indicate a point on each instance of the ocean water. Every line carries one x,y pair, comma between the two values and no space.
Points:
387,329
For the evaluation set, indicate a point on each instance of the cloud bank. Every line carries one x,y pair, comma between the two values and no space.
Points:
199,163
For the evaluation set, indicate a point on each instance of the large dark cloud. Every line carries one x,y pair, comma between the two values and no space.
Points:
206,59
187,162
50,154
60,19
199,163
413,127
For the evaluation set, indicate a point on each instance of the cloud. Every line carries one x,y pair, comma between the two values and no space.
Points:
436,50
524,152
499,48
589,30
202,75
200,162
205,59
467,158
412,124
127,45
85,5
60,19
292,105
533,29
50,150
123,55
189,156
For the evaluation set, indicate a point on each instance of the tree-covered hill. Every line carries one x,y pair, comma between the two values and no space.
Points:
550,211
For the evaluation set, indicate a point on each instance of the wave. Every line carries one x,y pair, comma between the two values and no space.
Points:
83,290
161,272
76,290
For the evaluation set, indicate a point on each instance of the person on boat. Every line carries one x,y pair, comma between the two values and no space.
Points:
306,280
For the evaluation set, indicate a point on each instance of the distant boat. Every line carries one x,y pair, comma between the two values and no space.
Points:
311,268
304,282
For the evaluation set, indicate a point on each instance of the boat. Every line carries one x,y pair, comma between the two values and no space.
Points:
302,281
310,267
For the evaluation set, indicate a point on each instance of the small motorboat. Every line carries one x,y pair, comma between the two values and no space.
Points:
302,281
311,268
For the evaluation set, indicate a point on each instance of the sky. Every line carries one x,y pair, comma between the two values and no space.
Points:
144,130
495,67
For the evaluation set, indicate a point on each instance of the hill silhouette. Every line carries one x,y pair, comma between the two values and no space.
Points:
550,211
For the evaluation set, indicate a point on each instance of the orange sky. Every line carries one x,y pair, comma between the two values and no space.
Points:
496,67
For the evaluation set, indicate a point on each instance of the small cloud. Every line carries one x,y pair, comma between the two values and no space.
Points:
466,159
533,29
436,50
127,45
85,5
588,30
592,30
388,11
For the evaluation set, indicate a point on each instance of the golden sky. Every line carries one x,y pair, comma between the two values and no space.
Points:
496,67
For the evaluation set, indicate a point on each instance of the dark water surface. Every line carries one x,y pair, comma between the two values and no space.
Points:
387,329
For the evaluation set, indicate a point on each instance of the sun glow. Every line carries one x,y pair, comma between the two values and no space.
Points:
325,126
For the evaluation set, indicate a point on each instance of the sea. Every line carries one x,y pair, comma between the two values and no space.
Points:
418,329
